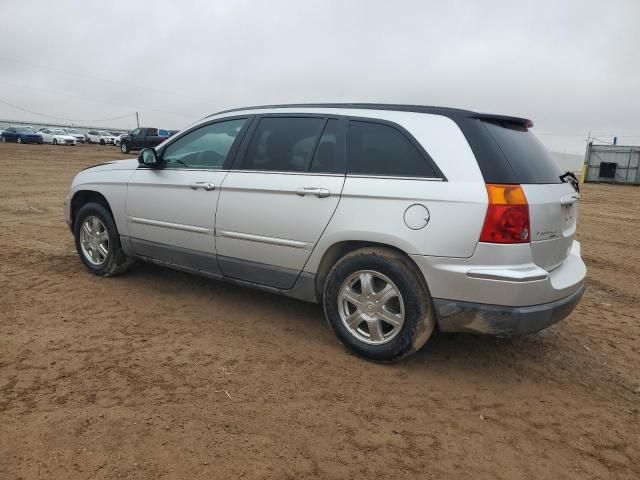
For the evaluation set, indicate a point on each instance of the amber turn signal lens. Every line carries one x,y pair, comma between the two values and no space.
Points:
506,195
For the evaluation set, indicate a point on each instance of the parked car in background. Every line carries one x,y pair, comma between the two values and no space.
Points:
21,135
143,138
395,218
100,136
119,138
56,136
79,136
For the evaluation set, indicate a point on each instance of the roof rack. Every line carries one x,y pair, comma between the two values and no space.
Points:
446,111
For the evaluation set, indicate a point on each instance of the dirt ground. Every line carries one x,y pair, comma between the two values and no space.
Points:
159,374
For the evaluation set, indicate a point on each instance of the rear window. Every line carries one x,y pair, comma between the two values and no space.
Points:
529,159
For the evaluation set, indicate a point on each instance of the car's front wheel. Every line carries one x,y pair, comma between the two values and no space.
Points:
55,141
19,139
124,147
378,304
102,142
98,242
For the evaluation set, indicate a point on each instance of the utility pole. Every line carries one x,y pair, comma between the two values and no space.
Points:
137,119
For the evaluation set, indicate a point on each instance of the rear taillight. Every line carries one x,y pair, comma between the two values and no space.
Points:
507,219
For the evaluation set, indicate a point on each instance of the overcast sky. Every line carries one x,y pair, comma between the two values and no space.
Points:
572,67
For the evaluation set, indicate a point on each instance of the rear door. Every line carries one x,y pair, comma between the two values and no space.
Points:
277,202
151,138
553,204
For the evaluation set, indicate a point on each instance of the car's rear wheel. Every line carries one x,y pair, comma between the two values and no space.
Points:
124,147
55,141
378,304
98,242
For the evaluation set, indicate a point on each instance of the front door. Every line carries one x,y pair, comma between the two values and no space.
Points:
171,210
275,205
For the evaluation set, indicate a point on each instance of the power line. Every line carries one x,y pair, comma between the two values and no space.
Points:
86,99
63,118
116,82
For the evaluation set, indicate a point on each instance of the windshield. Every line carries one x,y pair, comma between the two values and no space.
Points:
24,130
70,130
105,134
59,132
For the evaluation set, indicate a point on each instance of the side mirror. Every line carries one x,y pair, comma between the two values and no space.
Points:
149,158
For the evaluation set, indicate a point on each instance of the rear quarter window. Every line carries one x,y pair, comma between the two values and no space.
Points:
379,149
529,159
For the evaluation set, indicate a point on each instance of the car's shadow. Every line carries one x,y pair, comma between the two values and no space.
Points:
502,358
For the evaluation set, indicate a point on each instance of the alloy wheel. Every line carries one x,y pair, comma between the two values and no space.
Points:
94,240
371,307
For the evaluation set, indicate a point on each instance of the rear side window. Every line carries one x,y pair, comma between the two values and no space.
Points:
327,158
378,149
283,144
529,159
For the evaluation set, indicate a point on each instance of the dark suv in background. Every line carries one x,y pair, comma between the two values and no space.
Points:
143,138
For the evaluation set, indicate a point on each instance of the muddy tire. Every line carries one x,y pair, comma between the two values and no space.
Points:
98,242
378,304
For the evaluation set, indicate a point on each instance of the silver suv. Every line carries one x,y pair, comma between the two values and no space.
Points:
398,219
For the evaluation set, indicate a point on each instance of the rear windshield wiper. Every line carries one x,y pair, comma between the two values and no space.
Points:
570,177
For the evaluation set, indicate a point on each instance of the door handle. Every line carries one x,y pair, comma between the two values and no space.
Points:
203,185
318,192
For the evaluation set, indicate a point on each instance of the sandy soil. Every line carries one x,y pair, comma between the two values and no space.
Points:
128,377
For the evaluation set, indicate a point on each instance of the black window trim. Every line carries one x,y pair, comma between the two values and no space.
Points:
232,152
342,132
403,131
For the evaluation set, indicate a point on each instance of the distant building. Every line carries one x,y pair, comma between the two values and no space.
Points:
612,164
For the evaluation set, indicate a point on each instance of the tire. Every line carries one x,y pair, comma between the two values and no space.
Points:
413,303
116,261
124,147
4,140
55,141
102,142
19,139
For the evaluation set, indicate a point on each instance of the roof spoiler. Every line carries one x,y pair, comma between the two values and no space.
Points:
524,122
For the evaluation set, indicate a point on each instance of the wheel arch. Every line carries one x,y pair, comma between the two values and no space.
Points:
339,249
82,197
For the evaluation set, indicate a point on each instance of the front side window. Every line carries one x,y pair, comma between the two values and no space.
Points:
135,132
283,144
152,132
206,147
377,149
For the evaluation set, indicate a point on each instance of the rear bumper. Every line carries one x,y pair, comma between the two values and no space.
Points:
500,290
457,316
